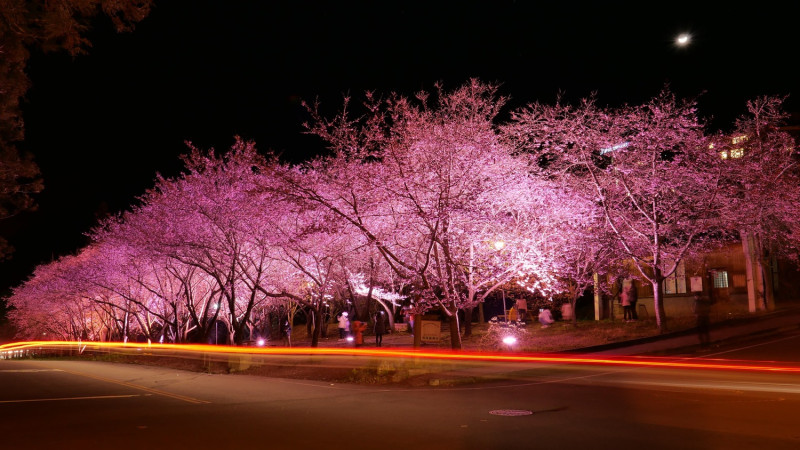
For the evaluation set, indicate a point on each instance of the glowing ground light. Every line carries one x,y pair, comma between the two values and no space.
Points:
509,340
683,40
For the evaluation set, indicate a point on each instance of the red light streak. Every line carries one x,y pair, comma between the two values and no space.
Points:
651,362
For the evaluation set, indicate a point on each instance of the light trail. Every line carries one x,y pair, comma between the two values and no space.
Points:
62,399
9,350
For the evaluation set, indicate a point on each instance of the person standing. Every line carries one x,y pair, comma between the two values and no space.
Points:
522,310
628,298
287,333
380,328
344,325
409,318
625,299
702,311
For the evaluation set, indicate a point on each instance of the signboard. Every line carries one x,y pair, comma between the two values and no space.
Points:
431,331
697,284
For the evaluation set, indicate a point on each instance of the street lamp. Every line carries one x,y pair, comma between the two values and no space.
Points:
496,245
499,245
216,323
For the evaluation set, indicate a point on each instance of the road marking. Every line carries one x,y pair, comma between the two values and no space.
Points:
720,386
142,388
97,397
510,412
751,346
30,370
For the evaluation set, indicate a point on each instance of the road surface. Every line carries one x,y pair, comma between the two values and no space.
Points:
81,405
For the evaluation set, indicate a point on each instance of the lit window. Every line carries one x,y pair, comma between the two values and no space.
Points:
675,283
720,279
739,139
737,153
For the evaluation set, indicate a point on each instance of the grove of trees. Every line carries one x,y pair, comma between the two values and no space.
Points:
429,203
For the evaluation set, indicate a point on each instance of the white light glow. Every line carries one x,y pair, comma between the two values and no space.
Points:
683,40
614,147
509,340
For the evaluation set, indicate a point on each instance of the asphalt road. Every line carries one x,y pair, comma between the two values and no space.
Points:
80,405
779,346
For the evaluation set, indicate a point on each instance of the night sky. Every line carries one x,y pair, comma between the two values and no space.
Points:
102,125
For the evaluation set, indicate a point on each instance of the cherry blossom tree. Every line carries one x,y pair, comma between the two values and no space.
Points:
762,191
58,303
584,248
650,170
202,220
308,247
413,177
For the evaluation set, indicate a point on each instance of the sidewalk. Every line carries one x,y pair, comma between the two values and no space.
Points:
783,319
773,322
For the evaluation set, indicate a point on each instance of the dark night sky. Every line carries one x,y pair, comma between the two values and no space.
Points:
103,124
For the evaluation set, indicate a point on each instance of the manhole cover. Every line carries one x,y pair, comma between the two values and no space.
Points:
511,412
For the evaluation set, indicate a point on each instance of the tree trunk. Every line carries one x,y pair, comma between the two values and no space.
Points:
317,315
310,322
455,333
389,314
468,321
323,323
598,300
658,305
573,302
769,291
417,331
748,248
125,327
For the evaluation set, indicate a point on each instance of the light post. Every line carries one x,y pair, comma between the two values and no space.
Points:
496,245
216,323
505,310
499,245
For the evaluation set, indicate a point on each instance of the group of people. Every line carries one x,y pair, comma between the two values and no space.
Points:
628,297
357,328
519,313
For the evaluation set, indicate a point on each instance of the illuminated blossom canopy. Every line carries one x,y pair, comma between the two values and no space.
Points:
648,167
431,185
427,202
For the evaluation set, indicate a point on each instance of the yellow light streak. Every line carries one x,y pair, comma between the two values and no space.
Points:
659,362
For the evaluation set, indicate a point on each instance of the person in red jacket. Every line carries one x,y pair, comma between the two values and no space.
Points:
358,331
